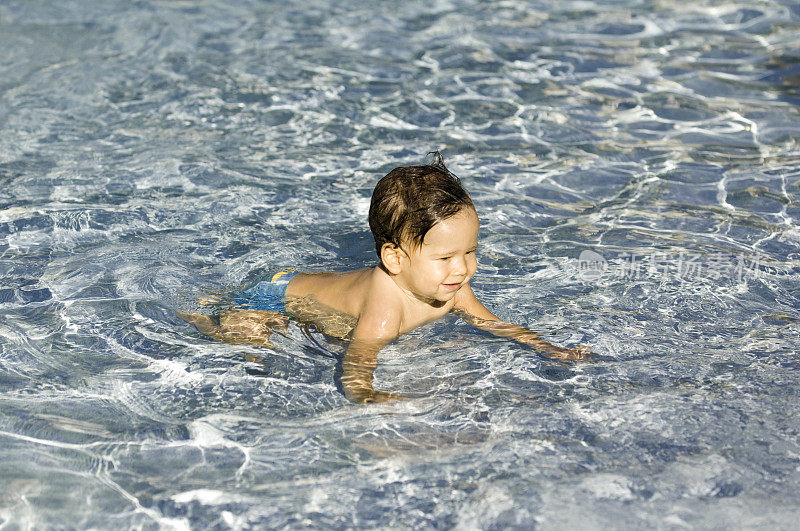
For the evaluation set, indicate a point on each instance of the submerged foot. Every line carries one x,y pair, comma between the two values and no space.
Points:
204,323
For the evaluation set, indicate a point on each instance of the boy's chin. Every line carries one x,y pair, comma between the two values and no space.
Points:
444,295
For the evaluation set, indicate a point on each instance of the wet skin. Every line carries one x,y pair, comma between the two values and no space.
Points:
413,285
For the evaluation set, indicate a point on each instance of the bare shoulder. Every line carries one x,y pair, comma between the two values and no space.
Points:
381,315
465,301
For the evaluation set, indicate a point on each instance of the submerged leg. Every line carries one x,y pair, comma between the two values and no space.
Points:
251,326
239,326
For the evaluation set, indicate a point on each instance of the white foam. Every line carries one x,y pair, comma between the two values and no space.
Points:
205,496
608,486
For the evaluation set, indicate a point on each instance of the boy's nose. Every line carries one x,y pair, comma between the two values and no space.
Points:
459,267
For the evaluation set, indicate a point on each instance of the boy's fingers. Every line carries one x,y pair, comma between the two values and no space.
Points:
374,397
577,355
382,396
585,352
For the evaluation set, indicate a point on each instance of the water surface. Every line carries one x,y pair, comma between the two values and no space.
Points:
635,165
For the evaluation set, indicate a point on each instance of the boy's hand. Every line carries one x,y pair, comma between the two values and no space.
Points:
579,353
367,395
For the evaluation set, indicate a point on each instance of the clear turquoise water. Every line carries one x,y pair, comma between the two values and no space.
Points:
635,165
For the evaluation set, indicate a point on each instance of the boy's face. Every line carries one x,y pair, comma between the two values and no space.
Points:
435,270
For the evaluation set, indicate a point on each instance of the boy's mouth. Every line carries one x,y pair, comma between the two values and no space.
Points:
452,286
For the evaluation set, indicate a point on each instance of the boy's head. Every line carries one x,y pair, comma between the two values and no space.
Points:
410,200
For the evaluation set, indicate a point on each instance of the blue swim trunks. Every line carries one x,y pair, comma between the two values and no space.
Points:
266,295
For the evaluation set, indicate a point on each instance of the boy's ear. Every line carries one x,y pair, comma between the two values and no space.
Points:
391,256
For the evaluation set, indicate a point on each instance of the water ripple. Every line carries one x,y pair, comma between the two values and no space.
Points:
153,152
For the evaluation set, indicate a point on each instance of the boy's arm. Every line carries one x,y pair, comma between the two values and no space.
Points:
469,308
377,326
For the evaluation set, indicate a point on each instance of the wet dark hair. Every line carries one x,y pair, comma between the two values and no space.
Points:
410,200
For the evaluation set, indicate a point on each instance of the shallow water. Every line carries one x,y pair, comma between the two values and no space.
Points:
636,168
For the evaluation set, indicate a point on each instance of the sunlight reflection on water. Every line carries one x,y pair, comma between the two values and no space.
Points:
155,151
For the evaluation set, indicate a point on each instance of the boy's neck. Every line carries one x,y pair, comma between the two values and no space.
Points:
410,295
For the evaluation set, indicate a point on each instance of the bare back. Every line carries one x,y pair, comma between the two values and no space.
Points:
341,291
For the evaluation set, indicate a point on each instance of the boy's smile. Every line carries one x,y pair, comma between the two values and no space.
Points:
434,271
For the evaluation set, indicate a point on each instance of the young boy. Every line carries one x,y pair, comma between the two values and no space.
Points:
426,234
